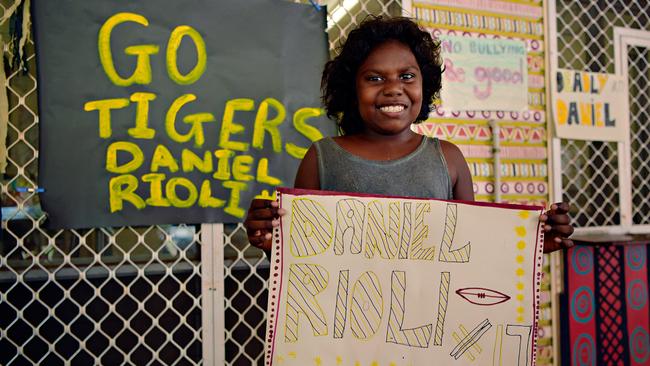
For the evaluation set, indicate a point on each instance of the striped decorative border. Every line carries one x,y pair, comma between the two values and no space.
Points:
490,7
522,170
515,188
506,152
525,116
530,135
489,24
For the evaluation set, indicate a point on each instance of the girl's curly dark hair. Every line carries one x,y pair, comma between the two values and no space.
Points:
338,81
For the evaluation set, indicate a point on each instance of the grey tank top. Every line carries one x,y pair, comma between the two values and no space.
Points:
422,173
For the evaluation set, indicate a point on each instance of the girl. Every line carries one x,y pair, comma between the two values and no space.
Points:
385,78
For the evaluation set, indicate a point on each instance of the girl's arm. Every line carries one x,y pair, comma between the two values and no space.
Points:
307,175
461,179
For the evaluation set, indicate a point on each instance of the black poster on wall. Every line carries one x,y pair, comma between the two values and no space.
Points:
166,111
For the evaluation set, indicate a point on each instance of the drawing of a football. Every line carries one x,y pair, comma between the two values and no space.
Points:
482,296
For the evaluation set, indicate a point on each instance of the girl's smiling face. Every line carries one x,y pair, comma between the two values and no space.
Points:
389,89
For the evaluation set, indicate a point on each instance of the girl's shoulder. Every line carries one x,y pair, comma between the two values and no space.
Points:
451,151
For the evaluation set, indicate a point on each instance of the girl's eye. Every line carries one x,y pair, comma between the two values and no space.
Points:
374,78
407,76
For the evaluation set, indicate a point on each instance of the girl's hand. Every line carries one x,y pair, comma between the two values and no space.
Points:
263,216
557,227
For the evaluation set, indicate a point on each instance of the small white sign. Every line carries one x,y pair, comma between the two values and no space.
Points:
484,74
590,106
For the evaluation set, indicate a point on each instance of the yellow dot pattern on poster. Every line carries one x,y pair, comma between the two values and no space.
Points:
521,231
520,272
520,259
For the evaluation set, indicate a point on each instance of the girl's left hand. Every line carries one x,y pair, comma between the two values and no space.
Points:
557,227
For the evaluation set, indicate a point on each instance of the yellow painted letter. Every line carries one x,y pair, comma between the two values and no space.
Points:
172,52
235,193
263,173
173,198
155,190
241,166
205,197
300,124
104,107
262,123
123,188
141,129
162,157
223,164
137,157
228,126
561,111
190,161
142,73
195,120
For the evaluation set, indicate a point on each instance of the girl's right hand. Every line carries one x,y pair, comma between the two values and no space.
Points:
263,216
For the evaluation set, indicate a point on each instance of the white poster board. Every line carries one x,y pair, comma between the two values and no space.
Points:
367,280
591,106
484,74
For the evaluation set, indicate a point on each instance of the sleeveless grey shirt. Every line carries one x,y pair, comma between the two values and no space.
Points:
422,173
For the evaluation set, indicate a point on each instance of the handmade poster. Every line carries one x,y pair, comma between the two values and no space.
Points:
165,111
366,280
590,106
484,74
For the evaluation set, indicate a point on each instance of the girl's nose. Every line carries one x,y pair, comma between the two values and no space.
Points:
392,87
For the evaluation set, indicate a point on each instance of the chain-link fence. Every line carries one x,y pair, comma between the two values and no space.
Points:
100,296
117,296
590,171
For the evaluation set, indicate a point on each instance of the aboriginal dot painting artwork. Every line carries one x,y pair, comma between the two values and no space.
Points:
605,314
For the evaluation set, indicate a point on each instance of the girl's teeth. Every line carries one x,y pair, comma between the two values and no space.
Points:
393,108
